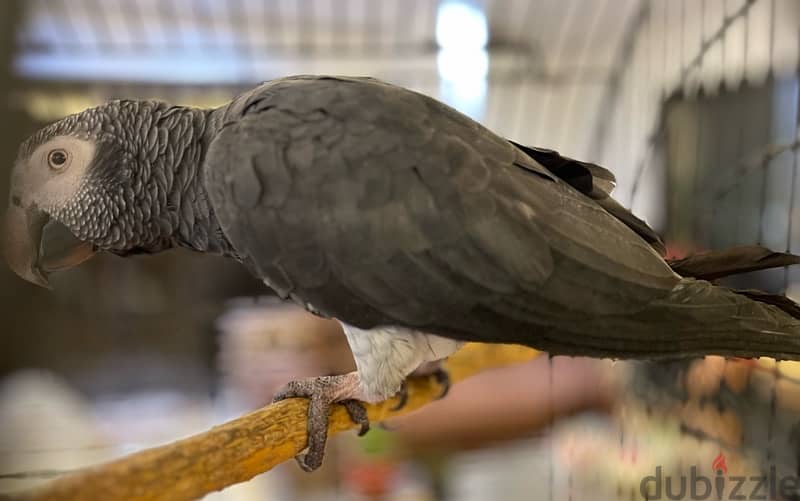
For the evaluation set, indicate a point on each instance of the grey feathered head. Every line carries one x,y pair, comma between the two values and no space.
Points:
103,179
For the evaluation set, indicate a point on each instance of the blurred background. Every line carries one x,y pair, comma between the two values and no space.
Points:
693,104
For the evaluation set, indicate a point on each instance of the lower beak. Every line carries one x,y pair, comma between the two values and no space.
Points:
36,245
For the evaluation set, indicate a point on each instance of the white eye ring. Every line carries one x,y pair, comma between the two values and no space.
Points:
58,159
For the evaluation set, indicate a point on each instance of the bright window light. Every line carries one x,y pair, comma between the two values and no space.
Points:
461,25
462,66
463,61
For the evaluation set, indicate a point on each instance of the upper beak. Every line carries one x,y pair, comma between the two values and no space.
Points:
36,245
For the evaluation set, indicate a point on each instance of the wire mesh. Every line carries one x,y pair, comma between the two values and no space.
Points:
721,142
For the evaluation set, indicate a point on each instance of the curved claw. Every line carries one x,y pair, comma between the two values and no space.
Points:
443,378
323,392
358,414
402,393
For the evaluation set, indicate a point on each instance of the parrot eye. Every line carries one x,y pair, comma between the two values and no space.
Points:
57,159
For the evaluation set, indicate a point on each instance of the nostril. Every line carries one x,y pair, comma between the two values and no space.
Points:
16,201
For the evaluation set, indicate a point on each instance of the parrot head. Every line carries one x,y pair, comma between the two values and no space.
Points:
93,181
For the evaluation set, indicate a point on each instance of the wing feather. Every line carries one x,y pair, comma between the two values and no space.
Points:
378,205
597,183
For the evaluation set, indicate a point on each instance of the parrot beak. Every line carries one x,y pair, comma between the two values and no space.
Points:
36,245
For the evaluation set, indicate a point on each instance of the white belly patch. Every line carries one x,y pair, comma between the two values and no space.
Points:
385,356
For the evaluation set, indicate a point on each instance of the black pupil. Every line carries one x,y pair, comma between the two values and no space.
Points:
58,158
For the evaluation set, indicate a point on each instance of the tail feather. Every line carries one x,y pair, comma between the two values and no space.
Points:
696,318
708,319
777,300
713,265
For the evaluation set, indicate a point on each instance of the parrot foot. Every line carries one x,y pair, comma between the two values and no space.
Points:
323,392
443,378
438,373
402,399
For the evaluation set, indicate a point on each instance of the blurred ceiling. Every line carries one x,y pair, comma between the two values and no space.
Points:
229,42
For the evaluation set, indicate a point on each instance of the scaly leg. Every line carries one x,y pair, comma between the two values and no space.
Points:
384,357
323,392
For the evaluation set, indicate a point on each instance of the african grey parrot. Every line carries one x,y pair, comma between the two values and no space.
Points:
411,224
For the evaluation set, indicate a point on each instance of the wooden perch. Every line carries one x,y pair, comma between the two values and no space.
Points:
245,447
